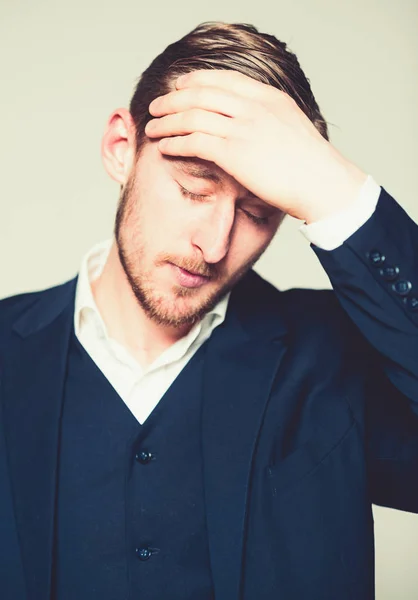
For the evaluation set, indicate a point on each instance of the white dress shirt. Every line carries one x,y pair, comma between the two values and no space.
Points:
142,389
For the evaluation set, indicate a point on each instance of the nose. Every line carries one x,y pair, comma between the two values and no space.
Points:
214,231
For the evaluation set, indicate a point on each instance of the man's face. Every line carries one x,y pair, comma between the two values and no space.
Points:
162,231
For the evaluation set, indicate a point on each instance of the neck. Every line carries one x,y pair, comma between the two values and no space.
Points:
125,319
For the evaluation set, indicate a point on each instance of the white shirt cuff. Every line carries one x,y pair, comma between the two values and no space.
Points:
331,232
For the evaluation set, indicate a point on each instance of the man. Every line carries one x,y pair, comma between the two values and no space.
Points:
172,425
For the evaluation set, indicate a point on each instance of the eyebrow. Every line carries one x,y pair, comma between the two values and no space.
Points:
191,167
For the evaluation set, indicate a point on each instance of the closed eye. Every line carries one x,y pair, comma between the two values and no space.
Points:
257,220
254,218
191,194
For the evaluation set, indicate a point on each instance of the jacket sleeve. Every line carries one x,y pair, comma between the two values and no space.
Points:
374,274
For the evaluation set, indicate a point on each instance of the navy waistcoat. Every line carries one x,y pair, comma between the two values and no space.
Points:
131,513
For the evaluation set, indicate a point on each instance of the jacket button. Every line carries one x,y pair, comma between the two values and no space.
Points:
389,273
376,258
413,303
402,287
143,457
143,553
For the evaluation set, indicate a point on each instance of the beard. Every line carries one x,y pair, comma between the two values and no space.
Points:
168,310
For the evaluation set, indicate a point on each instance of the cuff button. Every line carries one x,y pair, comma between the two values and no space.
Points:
413,303
402,287
376,258
389,273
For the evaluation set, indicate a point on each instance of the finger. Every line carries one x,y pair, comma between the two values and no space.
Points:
189,121
213,99
201,145
226,79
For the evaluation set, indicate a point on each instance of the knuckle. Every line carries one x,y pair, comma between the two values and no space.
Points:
199,95
197,139
245,126
192,118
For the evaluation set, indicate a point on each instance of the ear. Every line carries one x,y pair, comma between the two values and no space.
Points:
118,145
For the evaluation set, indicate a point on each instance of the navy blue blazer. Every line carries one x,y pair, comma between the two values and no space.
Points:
310,415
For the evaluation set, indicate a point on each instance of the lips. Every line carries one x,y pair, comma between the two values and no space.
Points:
191,272
188,279
194,273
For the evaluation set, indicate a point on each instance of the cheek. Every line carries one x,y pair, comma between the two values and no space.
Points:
162,217
174,214
248,244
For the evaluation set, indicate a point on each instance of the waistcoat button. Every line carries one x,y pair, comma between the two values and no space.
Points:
143,553
143,457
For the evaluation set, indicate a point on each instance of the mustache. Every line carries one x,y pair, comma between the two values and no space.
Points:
194,266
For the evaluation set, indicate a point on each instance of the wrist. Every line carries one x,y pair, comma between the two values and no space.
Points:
336,190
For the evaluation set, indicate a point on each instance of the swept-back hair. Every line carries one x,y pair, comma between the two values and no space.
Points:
234,46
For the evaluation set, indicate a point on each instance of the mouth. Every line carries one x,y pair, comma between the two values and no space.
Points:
189,279
194,273
191,272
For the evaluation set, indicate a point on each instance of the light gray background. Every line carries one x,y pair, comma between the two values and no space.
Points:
66,65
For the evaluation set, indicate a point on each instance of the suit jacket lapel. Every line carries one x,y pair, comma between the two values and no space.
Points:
33,377
242,359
